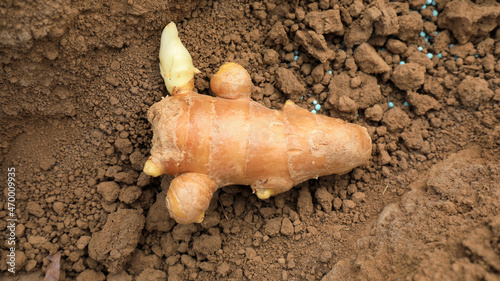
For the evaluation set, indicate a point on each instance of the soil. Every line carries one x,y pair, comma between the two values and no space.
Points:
79,76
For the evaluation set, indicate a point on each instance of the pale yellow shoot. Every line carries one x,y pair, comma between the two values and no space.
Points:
264,194
176,64
151,169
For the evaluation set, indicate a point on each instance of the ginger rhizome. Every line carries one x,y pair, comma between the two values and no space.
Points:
211,142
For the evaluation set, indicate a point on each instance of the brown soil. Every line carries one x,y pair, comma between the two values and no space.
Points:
79,76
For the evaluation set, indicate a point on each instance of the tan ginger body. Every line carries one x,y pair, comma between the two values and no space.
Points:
208,143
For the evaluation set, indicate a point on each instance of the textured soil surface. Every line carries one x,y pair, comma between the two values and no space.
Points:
78,77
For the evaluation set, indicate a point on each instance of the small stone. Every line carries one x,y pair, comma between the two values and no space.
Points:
124,145
337,203
271,57
109,191
82,242
369,61
374,113
137,160
358,197
120,276
409,76
58,207
272,227
396,119
287,227
129,194
473,91
30,265
35,209
304,204
348,205
90,274
325,22
324,198
288,83
158,217
315,44
396,46
223,269
421,103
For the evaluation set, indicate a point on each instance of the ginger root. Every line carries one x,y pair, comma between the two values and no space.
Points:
211,142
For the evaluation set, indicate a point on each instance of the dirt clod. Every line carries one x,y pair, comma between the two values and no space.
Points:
114,244
410,76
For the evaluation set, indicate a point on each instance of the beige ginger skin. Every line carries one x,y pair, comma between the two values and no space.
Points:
211,142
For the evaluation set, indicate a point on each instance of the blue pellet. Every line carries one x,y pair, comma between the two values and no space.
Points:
391,105
383,49
433,3
476,55
315,102
429,55
295,58
429,2
330,72
296,52
402,62
313,111
451,45
440,55
424,6
426,39
405,103
435,13
317,107
436,32
420,48
422,34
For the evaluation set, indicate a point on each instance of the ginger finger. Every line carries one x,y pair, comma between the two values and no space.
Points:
189,196
231,81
